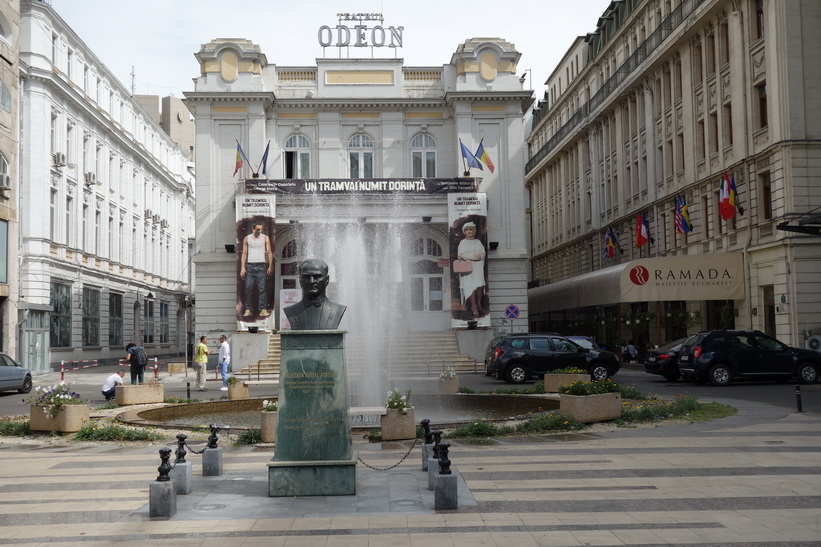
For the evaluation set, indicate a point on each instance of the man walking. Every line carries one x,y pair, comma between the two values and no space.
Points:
201,362
225,360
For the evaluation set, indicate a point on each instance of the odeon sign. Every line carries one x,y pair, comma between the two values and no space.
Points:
360,35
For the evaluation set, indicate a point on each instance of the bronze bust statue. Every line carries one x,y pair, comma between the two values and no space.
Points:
314,311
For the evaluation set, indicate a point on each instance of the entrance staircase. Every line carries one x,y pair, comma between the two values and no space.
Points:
420,354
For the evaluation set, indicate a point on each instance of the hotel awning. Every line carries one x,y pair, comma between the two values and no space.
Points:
809,223
694,278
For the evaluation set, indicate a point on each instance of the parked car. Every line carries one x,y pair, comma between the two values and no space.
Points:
587,342
519,357
664,360
13,375
724,355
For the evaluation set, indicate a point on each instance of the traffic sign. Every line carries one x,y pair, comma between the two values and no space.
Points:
512,311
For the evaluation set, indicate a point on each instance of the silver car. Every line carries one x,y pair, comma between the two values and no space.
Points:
13,375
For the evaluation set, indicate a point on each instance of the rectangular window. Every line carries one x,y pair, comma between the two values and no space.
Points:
728,124
60,327
69,207
148,322
52,218
766,196
164,322
115,320
761,93
97,233
84,236
4,251
705,206
91,317
759,19
701,149
713,133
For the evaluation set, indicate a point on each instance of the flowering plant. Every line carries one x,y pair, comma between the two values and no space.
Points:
448,373
269,406
51,399
568,370
233,380
398,401
596,387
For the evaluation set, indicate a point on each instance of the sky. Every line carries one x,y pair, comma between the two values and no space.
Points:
158,38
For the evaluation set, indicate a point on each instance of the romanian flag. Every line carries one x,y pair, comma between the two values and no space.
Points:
727,198
484,157
683,224
472,161
610,244
240,158
642,230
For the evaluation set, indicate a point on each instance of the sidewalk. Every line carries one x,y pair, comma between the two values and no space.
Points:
751,478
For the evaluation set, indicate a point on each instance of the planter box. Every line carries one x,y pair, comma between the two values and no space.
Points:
140,394
552,382
69,419
237,390
449,385
396,426
591,408
176,368
268,426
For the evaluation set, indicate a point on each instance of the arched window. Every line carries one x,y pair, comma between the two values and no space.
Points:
425,246
423,156
289,265
297,157
360,157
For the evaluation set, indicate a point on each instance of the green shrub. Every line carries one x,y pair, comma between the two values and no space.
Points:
10,427
174,400
466,390
481,429
533,389
98,431
629,392
596,387
658,410
568,370
108,405
249,436
547,423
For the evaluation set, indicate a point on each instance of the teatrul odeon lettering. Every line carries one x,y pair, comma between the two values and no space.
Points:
360,36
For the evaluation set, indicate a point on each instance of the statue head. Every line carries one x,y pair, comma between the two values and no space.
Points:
313,278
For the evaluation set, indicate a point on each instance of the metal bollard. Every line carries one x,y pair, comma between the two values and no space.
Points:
180,453
798,398
212,439
165,467
426,427
437,436
188,390
444,462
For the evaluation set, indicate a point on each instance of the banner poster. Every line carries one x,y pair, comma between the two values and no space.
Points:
467,241
287,297
421,186
256,241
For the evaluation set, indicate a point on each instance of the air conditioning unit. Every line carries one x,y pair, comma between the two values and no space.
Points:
62,158
813,342
148,213
7,181
91,178
58,159
164,223
155,218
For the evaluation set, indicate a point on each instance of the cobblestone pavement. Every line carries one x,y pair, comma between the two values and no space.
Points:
753,478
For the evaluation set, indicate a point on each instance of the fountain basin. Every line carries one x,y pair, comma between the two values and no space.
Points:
443,410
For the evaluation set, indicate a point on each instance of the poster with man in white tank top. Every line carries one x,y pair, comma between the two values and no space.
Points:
255,259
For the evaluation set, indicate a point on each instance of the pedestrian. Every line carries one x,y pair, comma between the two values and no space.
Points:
225,360
111,383
201,362
135,355
632,353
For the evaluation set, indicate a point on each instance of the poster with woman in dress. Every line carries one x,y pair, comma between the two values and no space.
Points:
468,253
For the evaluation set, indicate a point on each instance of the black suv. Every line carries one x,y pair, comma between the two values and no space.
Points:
517,357
723,355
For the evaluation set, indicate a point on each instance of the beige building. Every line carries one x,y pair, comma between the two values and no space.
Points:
660,101
173,116
9,181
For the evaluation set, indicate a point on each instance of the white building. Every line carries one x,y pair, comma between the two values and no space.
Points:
662,100
366,120
105,210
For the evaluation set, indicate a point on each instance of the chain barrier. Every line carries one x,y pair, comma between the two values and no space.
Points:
363,462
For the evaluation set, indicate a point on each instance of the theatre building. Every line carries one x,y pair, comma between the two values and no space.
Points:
371,166
674,174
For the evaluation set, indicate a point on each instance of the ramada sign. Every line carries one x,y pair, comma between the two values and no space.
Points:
641,275
693,277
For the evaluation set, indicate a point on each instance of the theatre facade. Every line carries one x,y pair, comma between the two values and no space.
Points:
369,165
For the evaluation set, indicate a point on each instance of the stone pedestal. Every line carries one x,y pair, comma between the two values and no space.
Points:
69,418
314,455
181,477
176,368
449,385
237,390
552,382
397,426
268,426
445,493
427,454
212,462
591,408
140,394
162,499
433,470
